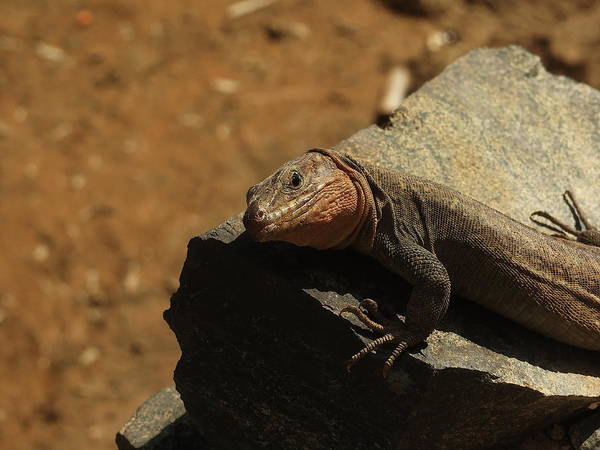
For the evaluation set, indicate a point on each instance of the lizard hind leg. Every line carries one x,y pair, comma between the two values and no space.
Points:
585,231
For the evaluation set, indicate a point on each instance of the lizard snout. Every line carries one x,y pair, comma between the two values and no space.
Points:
254,220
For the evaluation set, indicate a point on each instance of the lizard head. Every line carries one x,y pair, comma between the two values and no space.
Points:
314,200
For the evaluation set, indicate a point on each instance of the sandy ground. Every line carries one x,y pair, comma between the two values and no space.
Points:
127,127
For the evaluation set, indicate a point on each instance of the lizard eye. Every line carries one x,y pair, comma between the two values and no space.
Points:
295,180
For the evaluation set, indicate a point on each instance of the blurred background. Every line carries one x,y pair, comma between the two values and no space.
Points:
129,126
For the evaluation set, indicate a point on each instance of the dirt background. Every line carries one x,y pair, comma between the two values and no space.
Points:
127,127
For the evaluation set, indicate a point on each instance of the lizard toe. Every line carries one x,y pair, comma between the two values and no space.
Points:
389,337
363,318
372,308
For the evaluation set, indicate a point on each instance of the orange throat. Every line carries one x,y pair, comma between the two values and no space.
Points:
342,216
360,228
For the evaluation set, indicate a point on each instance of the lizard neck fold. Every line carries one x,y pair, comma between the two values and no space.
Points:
361,235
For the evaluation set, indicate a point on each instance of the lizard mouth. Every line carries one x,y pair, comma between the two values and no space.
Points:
262,226
260,232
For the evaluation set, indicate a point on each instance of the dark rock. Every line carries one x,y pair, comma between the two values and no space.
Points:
585,434
264,352
161,423
558,432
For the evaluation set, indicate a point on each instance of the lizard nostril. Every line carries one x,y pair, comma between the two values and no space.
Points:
260,214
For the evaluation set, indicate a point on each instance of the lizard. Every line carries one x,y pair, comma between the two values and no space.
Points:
439,240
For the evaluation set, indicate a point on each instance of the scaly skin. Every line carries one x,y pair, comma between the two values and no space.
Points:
437,239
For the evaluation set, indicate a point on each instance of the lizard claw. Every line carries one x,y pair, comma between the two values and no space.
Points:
390,334
361,316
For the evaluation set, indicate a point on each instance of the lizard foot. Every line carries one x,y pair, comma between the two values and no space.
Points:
585,232
391,333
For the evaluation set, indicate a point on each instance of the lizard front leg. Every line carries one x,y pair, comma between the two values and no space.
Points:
588,234
427,304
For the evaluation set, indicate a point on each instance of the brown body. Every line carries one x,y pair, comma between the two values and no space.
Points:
546,283
437,239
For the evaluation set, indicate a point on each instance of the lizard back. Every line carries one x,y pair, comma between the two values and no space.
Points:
546,283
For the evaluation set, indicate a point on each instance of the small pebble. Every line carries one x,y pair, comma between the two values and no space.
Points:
78,182
394,89
277,31
41,252
50,52
89,356
225,85
439,39
84,18
245,7
131,282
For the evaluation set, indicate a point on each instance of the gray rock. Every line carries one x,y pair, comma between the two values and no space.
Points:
585,434
497,126
160,423
264,352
